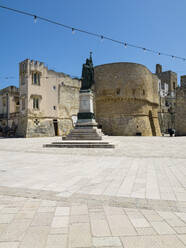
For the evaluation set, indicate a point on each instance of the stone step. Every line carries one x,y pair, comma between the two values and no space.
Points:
79,142
80,145
83,132
81,137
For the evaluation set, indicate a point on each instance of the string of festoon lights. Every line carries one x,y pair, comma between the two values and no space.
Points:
100,36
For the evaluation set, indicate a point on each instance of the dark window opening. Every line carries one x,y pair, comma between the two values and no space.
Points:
118,91
55,124
35,103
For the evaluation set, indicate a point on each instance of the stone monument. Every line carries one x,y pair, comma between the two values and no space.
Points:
86,126
85,134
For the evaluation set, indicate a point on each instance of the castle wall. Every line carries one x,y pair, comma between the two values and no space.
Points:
126,98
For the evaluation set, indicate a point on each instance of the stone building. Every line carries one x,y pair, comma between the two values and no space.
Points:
167,98
129,100
180,118
48,101
126,99
9,106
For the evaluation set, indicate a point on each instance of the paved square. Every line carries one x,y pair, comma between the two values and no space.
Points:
130,196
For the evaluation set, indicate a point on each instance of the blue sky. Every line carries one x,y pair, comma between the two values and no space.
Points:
159,25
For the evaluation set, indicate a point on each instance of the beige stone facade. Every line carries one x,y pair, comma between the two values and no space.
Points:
167,98
126,99
9,106
49,101
46,103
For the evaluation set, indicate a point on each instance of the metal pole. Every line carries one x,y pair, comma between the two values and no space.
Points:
7,107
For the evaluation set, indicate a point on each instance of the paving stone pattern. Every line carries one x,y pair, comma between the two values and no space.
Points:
90,199
28,223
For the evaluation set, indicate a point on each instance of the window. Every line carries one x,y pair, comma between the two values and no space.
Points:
36,78
117,91
35,103
23,104
54,87
4,102
54,107
133,92
143,92
174,85
36,122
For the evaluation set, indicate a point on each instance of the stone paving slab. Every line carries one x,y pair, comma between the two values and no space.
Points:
134,196
81,225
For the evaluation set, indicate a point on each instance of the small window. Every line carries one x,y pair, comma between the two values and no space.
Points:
117,91
143,92
174,85
4,102
54,107
36,78
54,87
36,122
133,92
35,103
23,104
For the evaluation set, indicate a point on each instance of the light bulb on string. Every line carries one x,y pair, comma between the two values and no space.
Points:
73,31
102,37
159,54
144,49
125,45
35,19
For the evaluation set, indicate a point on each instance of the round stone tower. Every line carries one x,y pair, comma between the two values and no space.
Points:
126,99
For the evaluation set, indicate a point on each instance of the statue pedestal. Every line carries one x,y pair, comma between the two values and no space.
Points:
86,126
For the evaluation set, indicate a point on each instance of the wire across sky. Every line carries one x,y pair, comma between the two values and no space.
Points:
100,36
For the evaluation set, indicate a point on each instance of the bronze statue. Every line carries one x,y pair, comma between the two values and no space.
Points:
87,74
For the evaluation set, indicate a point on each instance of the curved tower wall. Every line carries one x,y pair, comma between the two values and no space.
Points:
126,99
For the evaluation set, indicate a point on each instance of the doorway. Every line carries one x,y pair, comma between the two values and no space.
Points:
153,129
55,124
